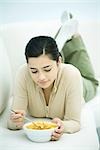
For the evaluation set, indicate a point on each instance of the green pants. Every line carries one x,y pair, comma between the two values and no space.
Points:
74,52
89,90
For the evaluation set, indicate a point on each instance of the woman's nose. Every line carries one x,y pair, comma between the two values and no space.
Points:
41,76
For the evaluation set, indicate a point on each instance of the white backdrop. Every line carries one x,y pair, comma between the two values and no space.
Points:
86,11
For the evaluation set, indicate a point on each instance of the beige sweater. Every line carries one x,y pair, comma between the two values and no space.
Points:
65,100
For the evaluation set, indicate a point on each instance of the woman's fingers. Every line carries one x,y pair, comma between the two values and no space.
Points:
17,116
56,136
22,112
59,131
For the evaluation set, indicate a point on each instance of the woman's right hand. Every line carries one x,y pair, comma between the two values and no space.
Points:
17,118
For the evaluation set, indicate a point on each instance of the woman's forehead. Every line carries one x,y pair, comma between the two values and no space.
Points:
41,61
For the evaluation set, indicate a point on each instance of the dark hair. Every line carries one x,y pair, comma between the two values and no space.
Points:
42,45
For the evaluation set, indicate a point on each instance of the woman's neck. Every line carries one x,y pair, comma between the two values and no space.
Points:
47,93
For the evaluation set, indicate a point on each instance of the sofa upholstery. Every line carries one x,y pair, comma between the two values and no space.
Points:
13,38
5,77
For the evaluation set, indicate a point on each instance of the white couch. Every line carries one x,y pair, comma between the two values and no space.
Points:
13,38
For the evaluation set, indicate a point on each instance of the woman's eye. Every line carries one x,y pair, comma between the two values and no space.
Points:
34,71
48,70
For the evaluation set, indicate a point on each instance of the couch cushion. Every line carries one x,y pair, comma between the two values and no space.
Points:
5,77
85,139
94,105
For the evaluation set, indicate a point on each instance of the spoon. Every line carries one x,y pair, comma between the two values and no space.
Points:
26,118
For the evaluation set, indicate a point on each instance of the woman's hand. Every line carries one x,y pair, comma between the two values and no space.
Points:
17,117
59,131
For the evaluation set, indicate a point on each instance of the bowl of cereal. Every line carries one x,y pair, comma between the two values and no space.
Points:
39,131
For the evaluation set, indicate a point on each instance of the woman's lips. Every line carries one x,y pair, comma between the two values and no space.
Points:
42,82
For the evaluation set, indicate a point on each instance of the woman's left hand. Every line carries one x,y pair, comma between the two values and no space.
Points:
59,131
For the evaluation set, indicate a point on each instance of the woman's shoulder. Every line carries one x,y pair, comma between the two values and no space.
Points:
22,70
69,70
70,76
69,67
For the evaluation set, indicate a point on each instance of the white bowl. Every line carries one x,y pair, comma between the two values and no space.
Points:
39,135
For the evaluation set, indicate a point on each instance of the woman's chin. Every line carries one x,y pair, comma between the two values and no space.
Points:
45,86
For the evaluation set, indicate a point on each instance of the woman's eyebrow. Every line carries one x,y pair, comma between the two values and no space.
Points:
47,66
42,67
32,68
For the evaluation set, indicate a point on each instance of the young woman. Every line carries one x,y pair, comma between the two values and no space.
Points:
45,87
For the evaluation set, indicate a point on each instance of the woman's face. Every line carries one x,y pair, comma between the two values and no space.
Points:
43,70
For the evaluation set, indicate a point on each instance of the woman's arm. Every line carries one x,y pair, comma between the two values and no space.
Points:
74,101
19,105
